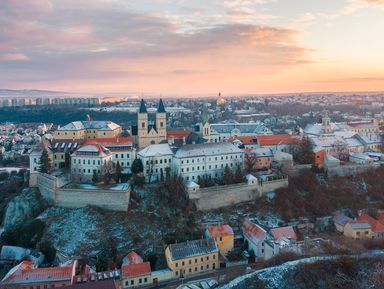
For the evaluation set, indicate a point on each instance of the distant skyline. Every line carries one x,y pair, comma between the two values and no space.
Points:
187,47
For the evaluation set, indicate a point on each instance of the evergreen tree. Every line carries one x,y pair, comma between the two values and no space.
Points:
95,177
239,175
118,171
45,163
137,166
228,175
305,153
67,161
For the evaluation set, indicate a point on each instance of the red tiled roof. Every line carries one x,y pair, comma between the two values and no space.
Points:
375,224
253,232
91,143
269,140
380,217
27,272
246,140
114,140
282,232
135,270
220,231
178,133
134,258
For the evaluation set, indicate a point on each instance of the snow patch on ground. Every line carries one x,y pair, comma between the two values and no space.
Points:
70,229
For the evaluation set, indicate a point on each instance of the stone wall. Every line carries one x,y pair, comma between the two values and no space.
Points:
223,196
106,199
52,189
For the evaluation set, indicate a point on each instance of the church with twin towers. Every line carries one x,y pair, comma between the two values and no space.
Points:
147,131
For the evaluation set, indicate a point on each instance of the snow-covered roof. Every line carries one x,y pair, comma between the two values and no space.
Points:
359,156
329,141
207,149
191,185
156,150
81,125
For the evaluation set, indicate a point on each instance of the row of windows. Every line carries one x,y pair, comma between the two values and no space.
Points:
196,268
190,261
85,170
121,156
158,161
141,281
75,161
210,159
210,167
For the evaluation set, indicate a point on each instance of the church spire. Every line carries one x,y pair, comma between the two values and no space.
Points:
160,108
143,108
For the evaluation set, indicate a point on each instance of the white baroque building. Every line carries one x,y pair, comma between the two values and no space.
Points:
88,160
206,160
156,159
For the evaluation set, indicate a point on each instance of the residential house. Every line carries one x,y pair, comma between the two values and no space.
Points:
255,236
340,220
358,230
223,234
136,274
192,257
376,225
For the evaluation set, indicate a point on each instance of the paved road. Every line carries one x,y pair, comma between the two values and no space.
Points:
223,275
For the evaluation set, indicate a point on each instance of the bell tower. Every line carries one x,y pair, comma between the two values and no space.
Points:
161,121
142,120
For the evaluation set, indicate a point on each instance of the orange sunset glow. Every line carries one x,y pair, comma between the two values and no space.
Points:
192,47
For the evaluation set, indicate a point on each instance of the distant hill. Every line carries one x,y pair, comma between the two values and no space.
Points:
29,92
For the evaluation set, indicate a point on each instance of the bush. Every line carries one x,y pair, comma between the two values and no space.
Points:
26,235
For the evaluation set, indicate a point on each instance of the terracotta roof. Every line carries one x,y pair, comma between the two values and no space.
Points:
134,258
219,231
268,140
114,140
27,272
246,140
135,270
375,224
178,133
253,232
91,149
282,232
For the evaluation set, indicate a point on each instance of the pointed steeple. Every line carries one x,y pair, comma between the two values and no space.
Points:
160,108
143,108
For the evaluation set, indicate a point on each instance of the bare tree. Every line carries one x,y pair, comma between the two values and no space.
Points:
249,163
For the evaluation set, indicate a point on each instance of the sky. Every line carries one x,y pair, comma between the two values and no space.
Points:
192,47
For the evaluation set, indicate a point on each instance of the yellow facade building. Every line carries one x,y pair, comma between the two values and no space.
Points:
81,130
192,257
223,234
358,230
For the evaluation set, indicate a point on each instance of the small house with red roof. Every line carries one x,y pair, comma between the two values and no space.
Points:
135,272
255,236
132,258
376,225
224,236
